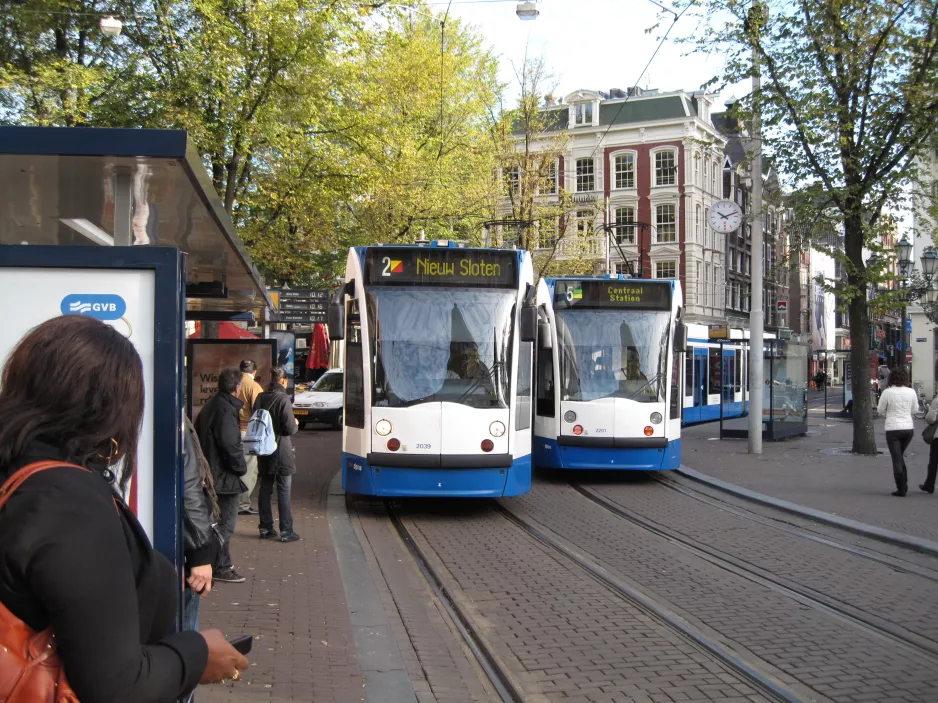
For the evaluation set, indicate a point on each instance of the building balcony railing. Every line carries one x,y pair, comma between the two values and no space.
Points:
572,246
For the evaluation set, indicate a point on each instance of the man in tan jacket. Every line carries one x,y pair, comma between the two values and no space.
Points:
250,389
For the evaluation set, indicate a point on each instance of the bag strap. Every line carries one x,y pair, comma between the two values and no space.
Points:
17,479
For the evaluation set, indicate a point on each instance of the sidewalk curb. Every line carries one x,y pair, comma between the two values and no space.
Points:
918,544
380,660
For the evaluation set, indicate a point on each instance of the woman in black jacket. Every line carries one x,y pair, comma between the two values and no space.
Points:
73,556
280,466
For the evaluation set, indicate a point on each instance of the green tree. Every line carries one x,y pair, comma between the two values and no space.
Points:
849,100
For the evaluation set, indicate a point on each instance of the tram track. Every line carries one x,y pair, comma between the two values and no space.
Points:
866,622
791,528
496,673
766,684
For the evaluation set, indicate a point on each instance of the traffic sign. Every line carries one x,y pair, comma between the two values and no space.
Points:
908,355
782,305
908,325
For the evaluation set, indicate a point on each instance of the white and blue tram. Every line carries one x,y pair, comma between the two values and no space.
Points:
716,375
608,377
438,347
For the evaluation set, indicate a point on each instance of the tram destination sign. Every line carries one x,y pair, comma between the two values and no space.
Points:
301,305
612,293
431,266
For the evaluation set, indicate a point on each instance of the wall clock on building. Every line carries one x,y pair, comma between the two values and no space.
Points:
725,216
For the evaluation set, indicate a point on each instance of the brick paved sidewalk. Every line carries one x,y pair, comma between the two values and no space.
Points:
293,600
801,471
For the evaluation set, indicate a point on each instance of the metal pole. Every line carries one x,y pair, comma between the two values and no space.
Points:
756,321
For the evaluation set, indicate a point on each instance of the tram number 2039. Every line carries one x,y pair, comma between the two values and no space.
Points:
423,446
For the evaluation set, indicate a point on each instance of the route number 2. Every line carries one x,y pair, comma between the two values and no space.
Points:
387,266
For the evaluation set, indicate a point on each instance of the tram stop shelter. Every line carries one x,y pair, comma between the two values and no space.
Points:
124,225
68,186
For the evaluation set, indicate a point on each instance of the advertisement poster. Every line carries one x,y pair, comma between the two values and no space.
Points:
207,358
124,299
286,355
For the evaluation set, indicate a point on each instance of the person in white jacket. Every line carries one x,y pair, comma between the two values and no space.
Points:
897,403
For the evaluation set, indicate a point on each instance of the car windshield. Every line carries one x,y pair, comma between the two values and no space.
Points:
330,383
441,345
613,353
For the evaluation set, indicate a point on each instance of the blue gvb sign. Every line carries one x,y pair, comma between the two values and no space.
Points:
103,306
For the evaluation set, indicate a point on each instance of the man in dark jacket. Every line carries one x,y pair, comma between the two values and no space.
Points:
280,466
219,430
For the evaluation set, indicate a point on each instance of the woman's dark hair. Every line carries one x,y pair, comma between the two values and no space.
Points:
277,374
898,377
229,380
248,366
76,384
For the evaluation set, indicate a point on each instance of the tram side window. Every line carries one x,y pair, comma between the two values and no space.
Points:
737,361
354,369
545,383
523,398
716,369
675,387
689,372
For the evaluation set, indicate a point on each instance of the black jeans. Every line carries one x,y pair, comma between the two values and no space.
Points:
898,441
264,507
228,507
932,465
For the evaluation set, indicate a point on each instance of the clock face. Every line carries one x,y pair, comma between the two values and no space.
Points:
725,216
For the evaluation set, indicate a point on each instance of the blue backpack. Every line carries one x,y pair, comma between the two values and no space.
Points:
260,440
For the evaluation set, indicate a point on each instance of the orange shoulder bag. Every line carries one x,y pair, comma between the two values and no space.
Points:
30,668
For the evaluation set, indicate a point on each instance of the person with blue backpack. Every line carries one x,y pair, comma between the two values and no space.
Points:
273,420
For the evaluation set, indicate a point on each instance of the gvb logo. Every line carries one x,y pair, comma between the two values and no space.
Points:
103,306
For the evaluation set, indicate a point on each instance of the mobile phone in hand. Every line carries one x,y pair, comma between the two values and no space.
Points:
243,644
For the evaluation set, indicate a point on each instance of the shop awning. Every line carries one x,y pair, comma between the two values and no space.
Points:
127,187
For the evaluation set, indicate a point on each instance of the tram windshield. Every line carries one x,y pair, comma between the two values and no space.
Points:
441,345
613,353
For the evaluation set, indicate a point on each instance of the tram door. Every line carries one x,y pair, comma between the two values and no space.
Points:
730,381
701,377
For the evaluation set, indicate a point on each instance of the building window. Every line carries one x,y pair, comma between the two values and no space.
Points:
713,174
625,225
548,232
584,114
699,283
585,176
665,223
665,269
584,222
622,267
552,177
665,169
717,286
696,169
706,174
706,295
625,171
513,179
697,223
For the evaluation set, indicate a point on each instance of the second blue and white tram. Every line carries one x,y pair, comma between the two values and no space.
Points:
608,378
438,370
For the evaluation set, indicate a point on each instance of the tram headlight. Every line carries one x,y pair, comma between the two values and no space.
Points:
383,428
655,418
497,429
569,416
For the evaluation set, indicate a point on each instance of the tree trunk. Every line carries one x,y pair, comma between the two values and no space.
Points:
864,436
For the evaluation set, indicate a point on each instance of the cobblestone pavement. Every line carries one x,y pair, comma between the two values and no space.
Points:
799,470
906,601
293,600
810,646
563,635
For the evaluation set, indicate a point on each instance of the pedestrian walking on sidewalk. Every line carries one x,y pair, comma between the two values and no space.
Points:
250,389
897,403
931,417
220,438
75,559
279,467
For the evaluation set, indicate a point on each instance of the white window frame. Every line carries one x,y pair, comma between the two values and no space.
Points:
699,283
580,113
624,233
547,242
697,168
672,223
706,296
698,211
614,176
586,218
654,166
669,262
553,170
592,174
513,179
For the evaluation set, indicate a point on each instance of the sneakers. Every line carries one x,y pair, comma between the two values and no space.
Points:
269,534
289,537
228,576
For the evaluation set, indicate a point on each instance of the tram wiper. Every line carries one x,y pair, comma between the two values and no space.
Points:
654,379
478,381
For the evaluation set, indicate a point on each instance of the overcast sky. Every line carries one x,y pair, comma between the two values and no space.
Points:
593,44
